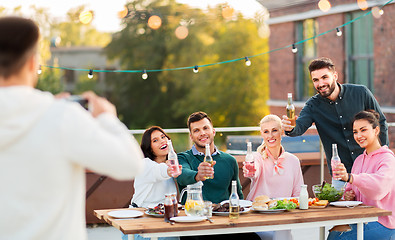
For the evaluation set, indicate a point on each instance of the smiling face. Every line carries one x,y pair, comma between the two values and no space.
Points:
201,133
365,135
324,81
159,145
271,133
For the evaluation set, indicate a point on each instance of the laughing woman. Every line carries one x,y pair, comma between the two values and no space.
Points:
371,181
151,186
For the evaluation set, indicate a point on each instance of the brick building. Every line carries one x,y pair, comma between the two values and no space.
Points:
363,54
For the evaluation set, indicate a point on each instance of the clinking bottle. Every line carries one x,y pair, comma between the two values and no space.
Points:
249,161
335,160
208,158
172,158
291,110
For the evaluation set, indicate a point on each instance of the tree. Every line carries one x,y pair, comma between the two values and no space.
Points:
232,93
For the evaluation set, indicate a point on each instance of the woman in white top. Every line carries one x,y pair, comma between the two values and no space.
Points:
151,186
157,179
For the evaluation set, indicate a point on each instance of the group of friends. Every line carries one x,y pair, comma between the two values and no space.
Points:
47,143
345,114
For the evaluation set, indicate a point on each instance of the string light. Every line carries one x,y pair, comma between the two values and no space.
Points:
181,32
362,4
145,75
324,5
248,62
86,17
338,32
294,49
39,71
154,22
375,10
90,74
124,12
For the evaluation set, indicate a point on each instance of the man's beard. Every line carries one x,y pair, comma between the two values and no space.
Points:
330,90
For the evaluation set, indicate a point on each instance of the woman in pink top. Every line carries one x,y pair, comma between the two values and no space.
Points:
278,173
372,179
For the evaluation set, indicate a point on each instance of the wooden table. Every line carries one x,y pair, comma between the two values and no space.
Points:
152,227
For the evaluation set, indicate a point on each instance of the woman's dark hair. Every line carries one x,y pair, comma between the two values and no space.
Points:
146,142
369,115
18,42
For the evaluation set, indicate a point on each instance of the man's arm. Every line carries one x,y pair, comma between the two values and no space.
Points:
371,103
188,173
303,122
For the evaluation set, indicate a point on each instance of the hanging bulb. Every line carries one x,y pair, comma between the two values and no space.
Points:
196,69
338,32
294,49
381,12
90,74
248,62
39,71
145,75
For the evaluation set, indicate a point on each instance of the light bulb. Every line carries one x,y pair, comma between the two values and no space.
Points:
338,32
90,74
294,49
381,12
196,69
145,75
248,62
39,71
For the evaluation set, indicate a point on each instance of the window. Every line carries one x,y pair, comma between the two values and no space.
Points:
307,51
359,50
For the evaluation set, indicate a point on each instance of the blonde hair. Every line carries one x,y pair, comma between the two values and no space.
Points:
266,119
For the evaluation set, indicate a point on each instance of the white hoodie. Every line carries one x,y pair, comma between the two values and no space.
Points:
45,146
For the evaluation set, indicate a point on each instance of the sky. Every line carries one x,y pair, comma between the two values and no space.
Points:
106,10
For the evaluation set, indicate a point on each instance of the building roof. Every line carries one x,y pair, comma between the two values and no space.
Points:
277,4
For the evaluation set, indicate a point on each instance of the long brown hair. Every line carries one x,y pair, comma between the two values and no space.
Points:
146,142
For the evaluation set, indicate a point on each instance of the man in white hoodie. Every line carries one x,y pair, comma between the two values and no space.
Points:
46,144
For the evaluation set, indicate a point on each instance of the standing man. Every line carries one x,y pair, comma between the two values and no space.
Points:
332,110
225,169
46,144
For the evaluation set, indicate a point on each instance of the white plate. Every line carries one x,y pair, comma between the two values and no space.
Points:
125,214
269,210
242,203
345,203
188,219
246,210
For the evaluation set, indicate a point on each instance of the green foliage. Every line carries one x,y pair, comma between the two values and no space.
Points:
73,33
49,80
233,94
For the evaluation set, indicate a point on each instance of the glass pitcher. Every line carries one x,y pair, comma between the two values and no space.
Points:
194,205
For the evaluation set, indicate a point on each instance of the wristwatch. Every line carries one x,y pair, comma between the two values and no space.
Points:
349,177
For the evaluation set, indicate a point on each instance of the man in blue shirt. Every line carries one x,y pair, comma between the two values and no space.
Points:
332,110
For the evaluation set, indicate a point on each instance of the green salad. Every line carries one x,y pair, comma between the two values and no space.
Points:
328,193
285,204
